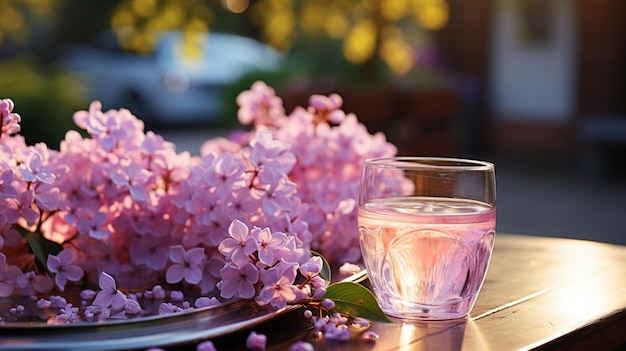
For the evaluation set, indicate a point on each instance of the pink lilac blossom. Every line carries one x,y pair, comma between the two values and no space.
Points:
337,332
240,245
329,146
109,296
269,244
33,170
8,276
186,265
123,198
31,283
206,346
204,301
301,346
238,281
278,288
9,120
241,217
256,341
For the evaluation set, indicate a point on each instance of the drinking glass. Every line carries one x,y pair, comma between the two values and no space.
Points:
426,230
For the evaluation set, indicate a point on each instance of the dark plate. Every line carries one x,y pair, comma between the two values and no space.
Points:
171,330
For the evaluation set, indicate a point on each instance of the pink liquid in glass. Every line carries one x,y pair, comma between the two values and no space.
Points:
426,257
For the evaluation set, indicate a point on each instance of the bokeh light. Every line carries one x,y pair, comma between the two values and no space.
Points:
277,20
360,44
13,14
138,23
236,6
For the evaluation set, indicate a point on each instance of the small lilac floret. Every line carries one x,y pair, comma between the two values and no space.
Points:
318,282
338,318
43,304
168,308
319,293
308,314
301,346
158,292
58,301
312,267
88,294
239,245
369,336
206,301
328,304
361,322
337,332
349,268
63,268
206,346
239,281
320,324
109,296
88,316
256,341
132,307
177,295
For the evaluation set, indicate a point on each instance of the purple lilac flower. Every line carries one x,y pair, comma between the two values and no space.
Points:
109,296
33,169
186,265
63,267
256,341
204,301
278,288
238,281
301,346
269,244
119,190
337,332
240,245
206,346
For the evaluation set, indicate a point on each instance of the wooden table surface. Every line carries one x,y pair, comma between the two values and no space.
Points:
539,293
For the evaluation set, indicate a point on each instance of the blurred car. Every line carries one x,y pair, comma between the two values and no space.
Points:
167,87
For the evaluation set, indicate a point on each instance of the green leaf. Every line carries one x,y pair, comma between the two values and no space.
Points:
355,300
41,248
325,272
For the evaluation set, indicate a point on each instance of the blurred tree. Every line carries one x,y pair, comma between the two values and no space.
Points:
15,14
44,97
362,32
367,30
328,34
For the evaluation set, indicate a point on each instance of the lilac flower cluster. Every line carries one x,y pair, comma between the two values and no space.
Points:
116,206
123,202
329,146
263,265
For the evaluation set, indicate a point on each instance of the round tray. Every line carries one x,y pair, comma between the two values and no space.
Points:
175,329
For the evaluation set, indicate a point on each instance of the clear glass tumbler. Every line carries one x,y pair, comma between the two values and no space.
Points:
427,228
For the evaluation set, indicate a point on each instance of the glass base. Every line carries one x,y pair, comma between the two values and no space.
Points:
406,310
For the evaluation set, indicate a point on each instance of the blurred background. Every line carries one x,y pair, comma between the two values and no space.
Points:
536,86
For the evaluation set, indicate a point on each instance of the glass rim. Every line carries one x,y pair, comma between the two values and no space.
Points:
428,162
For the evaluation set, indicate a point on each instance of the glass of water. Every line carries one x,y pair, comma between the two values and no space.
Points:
427,228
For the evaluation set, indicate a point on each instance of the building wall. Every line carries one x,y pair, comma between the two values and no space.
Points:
533,61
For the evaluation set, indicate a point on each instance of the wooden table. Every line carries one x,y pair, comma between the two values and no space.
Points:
539,293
